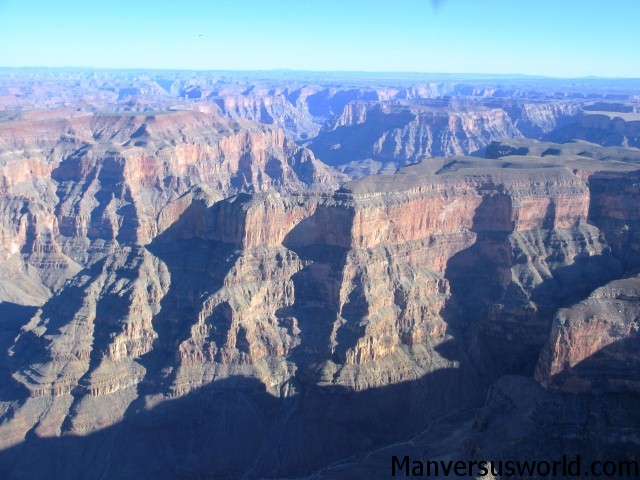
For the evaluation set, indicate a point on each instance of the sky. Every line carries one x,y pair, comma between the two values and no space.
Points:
563,38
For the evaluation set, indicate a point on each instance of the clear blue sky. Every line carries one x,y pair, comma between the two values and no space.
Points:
546,37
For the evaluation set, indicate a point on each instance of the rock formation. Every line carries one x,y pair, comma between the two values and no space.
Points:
594,345
373,137
117,179
190,292
604,128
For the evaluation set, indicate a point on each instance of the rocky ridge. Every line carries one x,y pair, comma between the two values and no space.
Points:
190,292
374,137
360,289
75,187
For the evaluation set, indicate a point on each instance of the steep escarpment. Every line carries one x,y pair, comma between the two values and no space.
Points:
537,119
393,134
413,289
594,344
604,128
614,210
282,108
75,187
232,304
611,176
372,137
531,251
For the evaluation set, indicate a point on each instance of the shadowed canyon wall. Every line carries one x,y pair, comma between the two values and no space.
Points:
188,290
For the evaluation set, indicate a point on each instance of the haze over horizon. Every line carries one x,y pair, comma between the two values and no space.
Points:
337,239
544,38
404,75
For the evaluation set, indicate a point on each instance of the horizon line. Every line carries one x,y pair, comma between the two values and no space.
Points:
293,70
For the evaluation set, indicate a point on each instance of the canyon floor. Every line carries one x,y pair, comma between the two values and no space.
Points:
299,275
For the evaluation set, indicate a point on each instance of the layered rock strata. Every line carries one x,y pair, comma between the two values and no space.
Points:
361,288
412,289
594,345
372,137
75,187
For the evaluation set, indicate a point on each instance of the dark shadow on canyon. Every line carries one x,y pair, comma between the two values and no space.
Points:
504,327
12,318
55,314
355,142
233,426
316,286
197,268
613,368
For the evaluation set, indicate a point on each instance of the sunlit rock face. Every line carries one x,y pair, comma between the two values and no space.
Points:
193,292
446,273
381,137
594,344
76,186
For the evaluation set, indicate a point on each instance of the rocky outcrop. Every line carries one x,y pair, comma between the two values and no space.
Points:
357,290
110,180
594,345
213,299
603,128
391,135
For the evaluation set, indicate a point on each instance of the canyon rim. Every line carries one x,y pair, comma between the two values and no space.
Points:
318,273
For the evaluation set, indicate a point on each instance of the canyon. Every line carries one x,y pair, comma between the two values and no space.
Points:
294,276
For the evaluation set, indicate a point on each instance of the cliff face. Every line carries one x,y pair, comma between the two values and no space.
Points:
288,111
75,188
537,119
195,294
614,210
394,134
441,276
604,128
594,345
